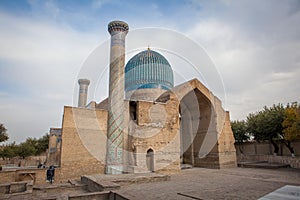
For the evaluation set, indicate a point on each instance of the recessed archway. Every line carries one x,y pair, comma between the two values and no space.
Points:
206,138
197,125
150,160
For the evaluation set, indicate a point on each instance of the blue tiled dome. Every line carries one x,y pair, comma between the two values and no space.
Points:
148,69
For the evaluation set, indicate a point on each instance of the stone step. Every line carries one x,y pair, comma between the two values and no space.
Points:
265,165
100,182
186,166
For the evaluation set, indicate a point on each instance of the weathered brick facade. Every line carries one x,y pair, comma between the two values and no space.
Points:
83,142
154,138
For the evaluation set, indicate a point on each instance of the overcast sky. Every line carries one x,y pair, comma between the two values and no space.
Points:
254,44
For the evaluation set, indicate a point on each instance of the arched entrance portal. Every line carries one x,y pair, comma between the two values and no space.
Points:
206,138
197,129
150,160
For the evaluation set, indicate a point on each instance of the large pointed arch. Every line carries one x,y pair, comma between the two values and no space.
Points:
205,132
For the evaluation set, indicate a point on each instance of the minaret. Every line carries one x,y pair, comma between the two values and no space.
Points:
115,128
83,90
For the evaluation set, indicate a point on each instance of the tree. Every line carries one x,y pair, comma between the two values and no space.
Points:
42,144
3,133
26,149
37,146
9,151
267,124
291,125
239,129
30,147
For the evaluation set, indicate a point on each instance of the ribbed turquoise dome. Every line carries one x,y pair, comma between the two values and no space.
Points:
148,69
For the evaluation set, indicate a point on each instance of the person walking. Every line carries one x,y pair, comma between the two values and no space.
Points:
50,174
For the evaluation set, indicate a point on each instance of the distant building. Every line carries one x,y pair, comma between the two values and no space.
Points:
54,150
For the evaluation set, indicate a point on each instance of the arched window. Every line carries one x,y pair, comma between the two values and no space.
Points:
150,160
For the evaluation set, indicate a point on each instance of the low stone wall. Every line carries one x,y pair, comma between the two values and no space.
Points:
37,176
50,191
98,196
266,148
94,186
7,176
94,195
294,162
15,187
263,151
28,161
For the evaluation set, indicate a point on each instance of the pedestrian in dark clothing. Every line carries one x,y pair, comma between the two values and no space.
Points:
50,174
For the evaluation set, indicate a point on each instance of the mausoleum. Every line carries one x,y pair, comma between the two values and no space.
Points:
146,124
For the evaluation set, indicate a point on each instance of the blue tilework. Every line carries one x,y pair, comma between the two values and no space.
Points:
148,69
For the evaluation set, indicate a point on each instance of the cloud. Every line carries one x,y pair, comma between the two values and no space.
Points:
256,47
254,44
39,62
97,4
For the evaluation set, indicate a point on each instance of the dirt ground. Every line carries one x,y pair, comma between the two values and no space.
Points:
199,183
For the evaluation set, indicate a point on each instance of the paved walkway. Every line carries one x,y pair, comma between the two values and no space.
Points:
195,183
288,192
199,183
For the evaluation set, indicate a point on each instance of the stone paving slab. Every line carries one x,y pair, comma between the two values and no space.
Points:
199,183
288,192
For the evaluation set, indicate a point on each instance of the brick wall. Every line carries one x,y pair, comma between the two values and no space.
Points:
294,162
7,176
156,128
28,161
83,142
265,148
38,176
